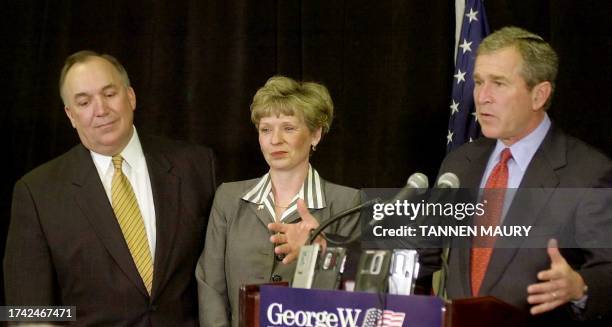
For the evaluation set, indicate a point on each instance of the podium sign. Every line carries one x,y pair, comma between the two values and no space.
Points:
288,307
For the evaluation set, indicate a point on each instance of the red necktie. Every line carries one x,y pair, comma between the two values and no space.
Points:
494,193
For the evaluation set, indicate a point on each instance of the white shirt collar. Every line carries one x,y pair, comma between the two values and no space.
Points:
132,155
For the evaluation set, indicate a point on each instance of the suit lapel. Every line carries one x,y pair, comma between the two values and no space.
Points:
295,216
265,217
165,187
93,201
261,212
536,188
476,162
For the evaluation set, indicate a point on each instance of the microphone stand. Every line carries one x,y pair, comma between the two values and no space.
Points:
315,232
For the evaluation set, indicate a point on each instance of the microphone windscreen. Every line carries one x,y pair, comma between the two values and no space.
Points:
448,180
418,180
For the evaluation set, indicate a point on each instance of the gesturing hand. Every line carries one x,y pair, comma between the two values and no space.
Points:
290,237
560,284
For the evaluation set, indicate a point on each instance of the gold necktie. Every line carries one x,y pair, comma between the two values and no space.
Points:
131,222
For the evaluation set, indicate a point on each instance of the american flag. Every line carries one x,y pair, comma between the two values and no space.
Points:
462,124
379,318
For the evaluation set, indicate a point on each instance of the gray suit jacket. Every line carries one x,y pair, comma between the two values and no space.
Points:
238,250
560,162
65,246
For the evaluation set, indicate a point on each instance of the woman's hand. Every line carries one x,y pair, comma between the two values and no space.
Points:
290,237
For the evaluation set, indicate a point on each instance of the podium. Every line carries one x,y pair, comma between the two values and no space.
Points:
248,303
482,311
473,312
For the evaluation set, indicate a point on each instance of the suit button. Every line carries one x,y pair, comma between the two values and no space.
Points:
153,308
276,278
280,257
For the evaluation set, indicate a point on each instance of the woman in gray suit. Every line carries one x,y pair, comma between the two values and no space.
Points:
291,118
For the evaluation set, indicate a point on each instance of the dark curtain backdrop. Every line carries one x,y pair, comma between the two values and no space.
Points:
195,66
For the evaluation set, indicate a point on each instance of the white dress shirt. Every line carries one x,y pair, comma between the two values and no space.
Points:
135,169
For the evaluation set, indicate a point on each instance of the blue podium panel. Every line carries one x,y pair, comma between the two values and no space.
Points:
283,306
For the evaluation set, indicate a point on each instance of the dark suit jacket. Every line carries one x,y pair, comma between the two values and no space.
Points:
65,246
562,165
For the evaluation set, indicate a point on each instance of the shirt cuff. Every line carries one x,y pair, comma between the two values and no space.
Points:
580,303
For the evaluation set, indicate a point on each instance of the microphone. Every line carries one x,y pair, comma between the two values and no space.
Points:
448,180
393,268
315,232
445,182
417,184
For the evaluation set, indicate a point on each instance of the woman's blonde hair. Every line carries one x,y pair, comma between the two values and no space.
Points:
283,95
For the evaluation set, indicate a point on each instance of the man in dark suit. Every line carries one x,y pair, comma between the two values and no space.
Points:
514,79
569,276
115,225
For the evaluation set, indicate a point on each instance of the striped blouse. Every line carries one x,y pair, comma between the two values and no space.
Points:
311,192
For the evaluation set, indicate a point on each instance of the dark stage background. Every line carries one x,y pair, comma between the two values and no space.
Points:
195,66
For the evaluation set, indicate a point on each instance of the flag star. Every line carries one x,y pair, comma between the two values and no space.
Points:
475,116
466,46
449,137
460,76
472,15
454,107
471,139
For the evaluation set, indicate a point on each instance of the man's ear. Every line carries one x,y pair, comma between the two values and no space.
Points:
540,94
69,114
131,97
